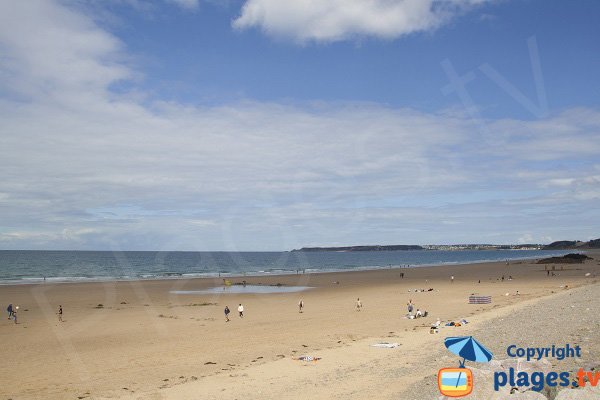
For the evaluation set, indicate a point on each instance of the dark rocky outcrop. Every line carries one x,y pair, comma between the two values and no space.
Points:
566,259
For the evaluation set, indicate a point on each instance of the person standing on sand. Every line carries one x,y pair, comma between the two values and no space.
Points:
227,313
60,314
9,309
358,304
300,305
241,310
14,314
452,279
410,306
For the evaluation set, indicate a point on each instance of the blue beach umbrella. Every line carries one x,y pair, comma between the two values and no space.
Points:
469,349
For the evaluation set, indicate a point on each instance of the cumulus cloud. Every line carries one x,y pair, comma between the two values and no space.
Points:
334,20
49,50
83,167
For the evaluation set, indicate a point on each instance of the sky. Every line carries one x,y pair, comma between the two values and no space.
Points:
259,125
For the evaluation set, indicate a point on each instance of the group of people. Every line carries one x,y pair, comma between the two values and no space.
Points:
227,311
240,312
418,314
12,312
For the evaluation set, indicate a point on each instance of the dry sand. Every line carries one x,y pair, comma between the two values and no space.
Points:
147,343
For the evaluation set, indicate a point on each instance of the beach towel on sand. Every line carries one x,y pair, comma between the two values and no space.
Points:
308,358
385,345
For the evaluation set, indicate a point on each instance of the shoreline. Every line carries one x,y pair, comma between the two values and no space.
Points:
280,272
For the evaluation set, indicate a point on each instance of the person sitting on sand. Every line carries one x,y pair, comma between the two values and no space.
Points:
358,304
226,311
418,313
300,305
241,310
435,328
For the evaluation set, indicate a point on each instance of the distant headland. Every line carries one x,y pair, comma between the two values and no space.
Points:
559,245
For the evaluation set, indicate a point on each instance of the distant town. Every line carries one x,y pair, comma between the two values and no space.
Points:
483,246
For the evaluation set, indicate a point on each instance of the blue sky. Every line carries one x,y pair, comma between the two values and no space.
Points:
213,63
270,125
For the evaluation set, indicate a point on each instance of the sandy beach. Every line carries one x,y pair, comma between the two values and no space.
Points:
139,340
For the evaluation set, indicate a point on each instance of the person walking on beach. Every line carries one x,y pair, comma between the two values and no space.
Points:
410,306
452,279
60,314
300,305
241,310
227,313
14,314
358,304
9,309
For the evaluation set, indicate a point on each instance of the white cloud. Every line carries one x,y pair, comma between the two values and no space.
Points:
334,20
526,238
64,54
84,167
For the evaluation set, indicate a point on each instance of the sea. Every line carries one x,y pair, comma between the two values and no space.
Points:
27,267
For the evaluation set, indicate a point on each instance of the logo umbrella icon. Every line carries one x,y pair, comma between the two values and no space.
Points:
457,382
468,348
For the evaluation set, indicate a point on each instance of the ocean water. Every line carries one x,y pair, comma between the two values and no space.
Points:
19,267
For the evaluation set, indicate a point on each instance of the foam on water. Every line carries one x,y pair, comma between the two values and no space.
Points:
30,267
